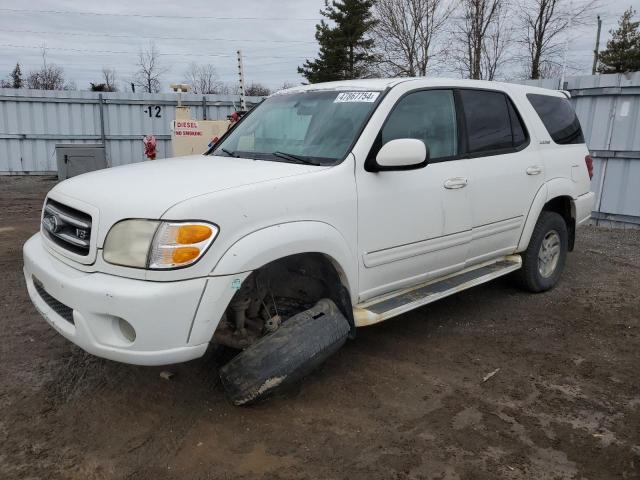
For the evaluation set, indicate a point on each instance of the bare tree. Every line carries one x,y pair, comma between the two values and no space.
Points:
109,79
477,18
498,38
406,32
544,25
257,90
286,85
229,88
203,78
149,70
49,77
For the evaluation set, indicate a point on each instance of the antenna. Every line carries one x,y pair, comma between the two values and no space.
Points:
243,106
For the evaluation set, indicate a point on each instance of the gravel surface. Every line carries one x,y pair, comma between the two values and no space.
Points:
406,399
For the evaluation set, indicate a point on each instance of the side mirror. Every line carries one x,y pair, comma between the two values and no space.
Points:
402,154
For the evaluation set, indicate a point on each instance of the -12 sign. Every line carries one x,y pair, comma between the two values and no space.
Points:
153,111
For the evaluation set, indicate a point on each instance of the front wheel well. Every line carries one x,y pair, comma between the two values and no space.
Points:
281,289
565,207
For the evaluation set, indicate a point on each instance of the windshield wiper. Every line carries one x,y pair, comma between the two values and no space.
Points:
231,154
294,158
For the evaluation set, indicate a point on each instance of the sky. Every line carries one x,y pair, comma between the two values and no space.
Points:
275,36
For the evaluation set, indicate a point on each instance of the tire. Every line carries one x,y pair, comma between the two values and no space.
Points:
281,358
537,275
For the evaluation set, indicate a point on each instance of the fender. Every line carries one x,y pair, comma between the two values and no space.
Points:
278,241
557,187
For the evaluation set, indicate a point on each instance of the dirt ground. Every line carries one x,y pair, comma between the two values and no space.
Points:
404,400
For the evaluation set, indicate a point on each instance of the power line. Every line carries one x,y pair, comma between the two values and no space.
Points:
139,15
115,52
159,37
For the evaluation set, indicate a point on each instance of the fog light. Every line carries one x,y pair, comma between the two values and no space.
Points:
127,330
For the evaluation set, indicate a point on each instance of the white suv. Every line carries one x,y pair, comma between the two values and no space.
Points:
327,207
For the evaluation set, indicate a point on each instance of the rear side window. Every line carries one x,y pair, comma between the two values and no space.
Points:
558,117
492,123
517,129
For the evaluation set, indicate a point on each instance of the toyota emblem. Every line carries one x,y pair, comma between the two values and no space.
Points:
51,223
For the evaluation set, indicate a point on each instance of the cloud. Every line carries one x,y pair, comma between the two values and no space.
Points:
274,35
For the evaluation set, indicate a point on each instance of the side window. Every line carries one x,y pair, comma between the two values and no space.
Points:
558,117
428,115
517,128
488,120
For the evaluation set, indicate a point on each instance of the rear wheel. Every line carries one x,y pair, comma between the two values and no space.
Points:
545,257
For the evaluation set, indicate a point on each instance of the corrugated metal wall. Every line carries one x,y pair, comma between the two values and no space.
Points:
32,122
608,107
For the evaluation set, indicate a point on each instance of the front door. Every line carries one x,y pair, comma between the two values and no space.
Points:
414,225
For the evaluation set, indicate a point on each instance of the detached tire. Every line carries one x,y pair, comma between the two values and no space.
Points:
278,359
544,259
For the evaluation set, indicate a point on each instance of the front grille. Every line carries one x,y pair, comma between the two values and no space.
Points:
67,227
58,307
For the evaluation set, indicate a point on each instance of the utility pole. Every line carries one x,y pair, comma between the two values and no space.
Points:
566,47
243,106
596,51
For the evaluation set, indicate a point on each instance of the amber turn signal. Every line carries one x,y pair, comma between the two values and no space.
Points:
185,254
190,234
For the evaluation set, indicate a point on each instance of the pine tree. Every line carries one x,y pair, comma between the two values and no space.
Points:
623,50
16,77
344,46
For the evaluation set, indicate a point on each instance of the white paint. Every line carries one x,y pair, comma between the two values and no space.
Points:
402,152
385,232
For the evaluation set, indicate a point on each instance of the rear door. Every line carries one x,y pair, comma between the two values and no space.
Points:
505,172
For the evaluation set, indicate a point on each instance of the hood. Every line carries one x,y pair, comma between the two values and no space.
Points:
148,189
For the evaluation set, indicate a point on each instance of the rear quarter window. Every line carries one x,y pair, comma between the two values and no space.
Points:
558,117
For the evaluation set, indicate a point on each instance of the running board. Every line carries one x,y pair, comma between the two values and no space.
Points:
399,302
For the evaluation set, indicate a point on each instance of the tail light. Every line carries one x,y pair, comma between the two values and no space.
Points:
589,161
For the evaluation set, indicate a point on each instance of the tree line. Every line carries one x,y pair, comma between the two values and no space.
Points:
202,78
371,38
478,38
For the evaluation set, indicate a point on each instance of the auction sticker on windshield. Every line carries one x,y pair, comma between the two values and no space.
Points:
356,97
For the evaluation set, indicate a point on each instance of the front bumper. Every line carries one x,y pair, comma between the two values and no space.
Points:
168,323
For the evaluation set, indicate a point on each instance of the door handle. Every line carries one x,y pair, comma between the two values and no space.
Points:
534,170
455,183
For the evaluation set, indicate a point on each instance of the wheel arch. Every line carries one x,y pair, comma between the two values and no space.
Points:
566,208
552,196
280,241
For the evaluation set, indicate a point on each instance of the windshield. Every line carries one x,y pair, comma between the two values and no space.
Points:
310,127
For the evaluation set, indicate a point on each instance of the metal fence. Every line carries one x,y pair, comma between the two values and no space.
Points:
608,107
32,122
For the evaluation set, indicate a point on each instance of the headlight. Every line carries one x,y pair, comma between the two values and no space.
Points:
157,245
128,242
